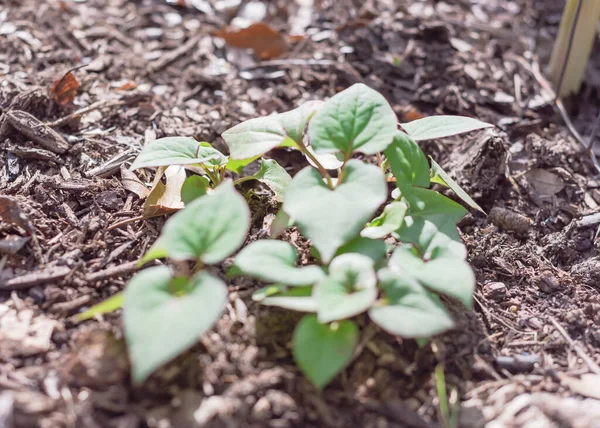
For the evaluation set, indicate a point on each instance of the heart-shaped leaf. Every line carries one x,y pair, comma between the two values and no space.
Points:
408,163
330,218
425,202
430,128
275,261
441,177
275,177
209,229
257,136
164,316
175,151
322,351
389,221
375,249
357,119
194,187
446,275
348,290
295,298
409,310
431,233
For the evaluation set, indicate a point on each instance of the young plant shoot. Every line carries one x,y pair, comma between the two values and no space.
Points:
333,202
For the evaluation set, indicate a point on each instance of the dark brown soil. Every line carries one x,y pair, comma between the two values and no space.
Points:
525,356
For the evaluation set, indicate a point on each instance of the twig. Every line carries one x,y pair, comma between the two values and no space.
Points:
96,106
171,56
111,272
591,364
35,278
551,98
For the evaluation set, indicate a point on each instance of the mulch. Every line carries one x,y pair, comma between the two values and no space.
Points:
527,354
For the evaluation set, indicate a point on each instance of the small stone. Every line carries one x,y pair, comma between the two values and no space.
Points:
548,282
495,291
262,409
509,220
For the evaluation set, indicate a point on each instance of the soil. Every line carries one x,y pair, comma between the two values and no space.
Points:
526,355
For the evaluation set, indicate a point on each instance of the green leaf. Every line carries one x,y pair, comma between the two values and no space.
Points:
175,151
257,136
430,128
446,275
348,290
295,298
358,119
237,165
408,163
430,233
216,162
441,177
389,221
159,325
331,218
194,187
209,229
409,311
280,224
322,351
375,249
294,121
275,261
425,202
275,177
109,305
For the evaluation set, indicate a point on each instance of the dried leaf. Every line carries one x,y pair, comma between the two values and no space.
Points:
165,198
266,42
128,86
132,183
10,212
545,183
412,114
64,90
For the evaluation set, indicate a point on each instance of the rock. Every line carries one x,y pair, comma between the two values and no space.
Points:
495,291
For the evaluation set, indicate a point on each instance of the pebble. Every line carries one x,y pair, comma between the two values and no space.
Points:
548,282
495,291
509,220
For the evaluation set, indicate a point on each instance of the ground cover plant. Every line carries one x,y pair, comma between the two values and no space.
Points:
397,281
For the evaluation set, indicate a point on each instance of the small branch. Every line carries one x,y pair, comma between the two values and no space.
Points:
590,363
243,179
320,167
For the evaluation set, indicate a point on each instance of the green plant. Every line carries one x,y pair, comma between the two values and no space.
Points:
333,202
353,273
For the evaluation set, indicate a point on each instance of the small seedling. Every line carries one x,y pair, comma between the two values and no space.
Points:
333,202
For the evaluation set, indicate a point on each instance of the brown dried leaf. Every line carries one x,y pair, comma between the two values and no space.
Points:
10,212
128,86
165,198
132,183
545,183
266,42
64,90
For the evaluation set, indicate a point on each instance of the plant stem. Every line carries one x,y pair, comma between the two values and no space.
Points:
215,180
243,179
440,382
320,167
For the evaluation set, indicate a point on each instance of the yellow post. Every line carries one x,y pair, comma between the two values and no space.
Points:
581,48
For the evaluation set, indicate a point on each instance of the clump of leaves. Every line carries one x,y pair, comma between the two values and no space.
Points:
333,201
401,291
